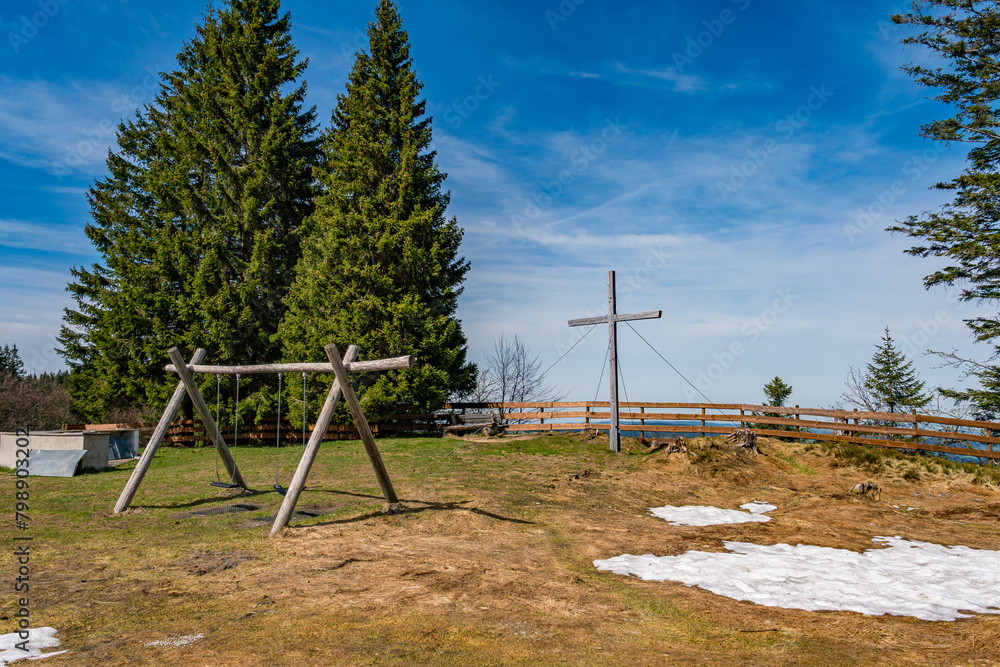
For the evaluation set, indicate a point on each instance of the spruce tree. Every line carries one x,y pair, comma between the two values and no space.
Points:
11,364
199,221
380,268
964,69
777,392
891,380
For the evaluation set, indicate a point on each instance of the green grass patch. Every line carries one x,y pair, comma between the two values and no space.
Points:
795,464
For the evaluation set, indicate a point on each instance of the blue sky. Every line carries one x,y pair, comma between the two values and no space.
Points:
736,162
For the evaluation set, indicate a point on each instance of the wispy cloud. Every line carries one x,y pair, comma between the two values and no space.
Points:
683,83
65,127
47,236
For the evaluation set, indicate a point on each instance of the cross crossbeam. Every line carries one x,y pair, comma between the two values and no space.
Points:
612,319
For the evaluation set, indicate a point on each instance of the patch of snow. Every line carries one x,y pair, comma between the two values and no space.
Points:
176,641
909,578
757,507
38,638
702,515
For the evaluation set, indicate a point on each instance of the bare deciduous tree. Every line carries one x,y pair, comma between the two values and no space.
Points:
858,392
35,403
511,374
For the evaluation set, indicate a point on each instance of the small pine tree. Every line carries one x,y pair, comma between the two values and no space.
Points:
891,380
11,364
380,268
776,392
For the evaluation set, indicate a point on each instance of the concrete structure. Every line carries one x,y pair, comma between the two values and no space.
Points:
95,442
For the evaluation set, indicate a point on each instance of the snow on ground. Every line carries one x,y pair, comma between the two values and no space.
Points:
176,641
909,578
700,515
38,638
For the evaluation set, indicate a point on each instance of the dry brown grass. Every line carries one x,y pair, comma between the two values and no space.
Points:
492,563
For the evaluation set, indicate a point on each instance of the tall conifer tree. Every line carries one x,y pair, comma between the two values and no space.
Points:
199,219
963,67
380,268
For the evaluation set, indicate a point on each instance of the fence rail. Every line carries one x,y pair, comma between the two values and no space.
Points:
923,433
191,432
945,435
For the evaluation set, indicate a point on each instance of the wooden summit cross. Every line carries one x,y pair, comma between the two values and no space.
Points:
612,319
341,388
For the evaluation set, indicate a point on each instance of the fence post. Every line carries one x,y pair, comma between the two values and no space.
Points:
541,419
742,413
988,433
586,420
642,422
703,422
916,422
797,428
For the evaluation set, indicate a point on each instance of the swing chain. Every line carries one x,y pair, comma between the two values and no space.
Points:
277,438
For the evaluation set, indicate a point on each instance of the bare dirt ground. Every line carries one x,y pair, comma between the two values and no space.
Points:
491,564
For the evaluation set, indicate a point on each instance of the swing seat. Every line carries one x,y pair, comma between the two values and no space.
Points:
280,489
224,485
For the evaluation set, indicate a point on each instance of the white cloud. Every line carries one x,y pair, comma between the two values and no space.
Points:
53,237
684,83
65,128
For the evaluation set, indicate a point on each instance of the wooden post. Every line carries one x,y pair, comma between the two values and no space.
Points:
125,499
741,417
312,448
613,364
642,422
541,420
796,419
359,420
703,422
916,421
206,418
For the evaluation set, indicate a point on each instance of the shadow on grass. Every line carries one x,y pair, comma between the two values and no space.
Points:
425,506
250,493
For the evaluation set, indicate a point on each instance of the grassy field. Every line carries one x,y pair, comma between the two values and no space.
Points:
490,564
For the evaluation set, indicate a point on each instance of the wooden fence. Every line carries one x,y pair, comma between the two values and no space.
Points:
907,431
960,437
192,433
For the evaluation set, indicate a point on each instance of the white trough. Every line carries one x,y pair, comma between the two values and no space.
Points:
95,443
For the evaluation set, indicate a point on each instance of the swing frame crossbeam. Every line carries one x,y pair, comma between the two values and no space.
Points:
394,363
341,388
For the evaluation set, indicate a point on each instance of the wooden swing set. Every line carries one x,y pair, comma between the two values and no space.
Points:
341,387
